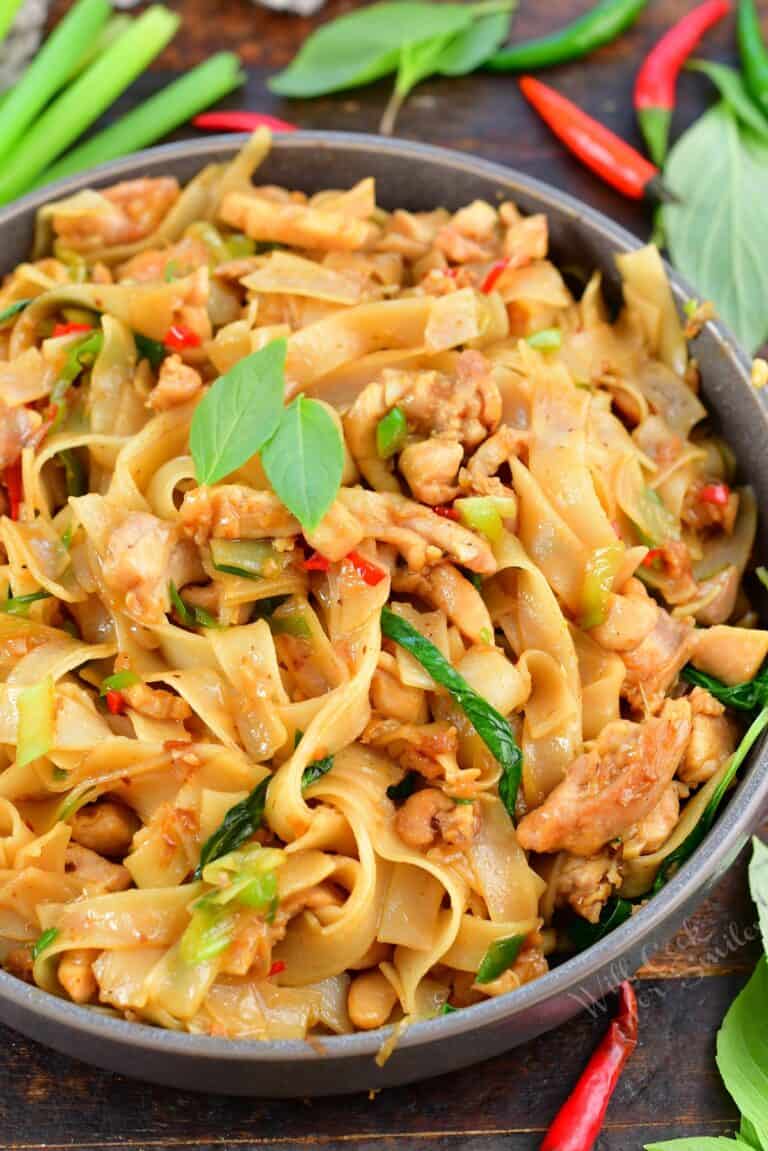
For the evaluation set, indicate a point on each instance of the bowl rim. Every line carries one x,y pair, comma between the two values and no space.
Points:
718,848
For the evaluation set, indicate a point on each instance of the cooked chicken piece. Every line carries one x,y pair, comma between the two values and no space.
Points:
338,532
137,207
17,428
105,827
160,263
681,586
653,665
733,654
177,383
411,234
612,786
444,587
155,702
417,747
295,224
479,476
232,511
714,737
430,468
96,874
586,885
75,974
702,514
431,814
136,566
628,620
394,699
650,833
472,235
526,240
418,533
18,962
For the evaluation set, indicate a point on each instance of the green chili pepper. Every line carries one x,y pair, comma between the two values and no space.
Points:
754,54
604,23
391,433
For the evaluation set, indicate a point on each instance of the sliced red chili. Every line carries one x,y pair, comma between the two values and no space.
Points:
15,488
489,283
369,572
446,512
652,556
70,329
277,967
115,701
718,494
241,122
578,1122
178,337
316,563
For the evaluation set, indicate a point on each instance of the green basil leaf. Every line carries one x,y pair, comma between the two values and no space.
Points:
365,45
316,770
499,958
733,90
758,885
446,1009
151,350
418,59
472,47
240,823
584,934
714,169
741,696
490,724
304,460
13,310
238,415
742,1051
397,792
43,941
749,1135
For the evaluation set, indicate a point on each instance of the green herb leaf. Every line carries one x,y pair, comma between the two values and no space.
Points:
758,885
417,61
391,433
304,460
316,770
118,681
741,696
151,350
43,941
474,45
397,792
489,724
240,823
714,169
733,90
13,310
742,1051
583,934
239,414
499,958
446,1009
365,45
19,604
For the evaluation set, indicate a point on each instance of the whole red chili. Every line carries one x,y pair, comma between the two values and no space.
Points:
718,494
13,484
277,967
446,512
489,283
316,563
369,572
656,83
178,337
578,1122
600,149
240,122
70,329
115,702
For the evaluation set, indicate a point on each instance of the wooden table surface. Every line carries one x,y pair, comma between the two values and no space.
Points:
671,1087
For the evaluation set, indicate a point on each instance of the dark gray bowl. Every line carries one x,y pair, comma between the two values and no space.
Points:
417,177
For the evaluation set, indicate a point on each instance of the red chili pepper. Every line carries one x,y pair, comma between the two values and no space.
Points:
241,122
316,563
370,573
489,283
70,329
651,557
714,494
600,149
15,488
178,337
446,512
578,1122
277,967
656,83
115,702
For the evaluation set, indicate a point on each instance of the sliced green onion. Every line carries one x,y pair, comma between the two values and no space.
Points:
239,246
209,932
13,310
81,353
499,958
289,622
49,70
598,583
190,615
83,101
252,559
37,721
19,604
118,681
480,514
44,941
260,893
658,524
391,433
113,28
156,117
74,472
547,340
